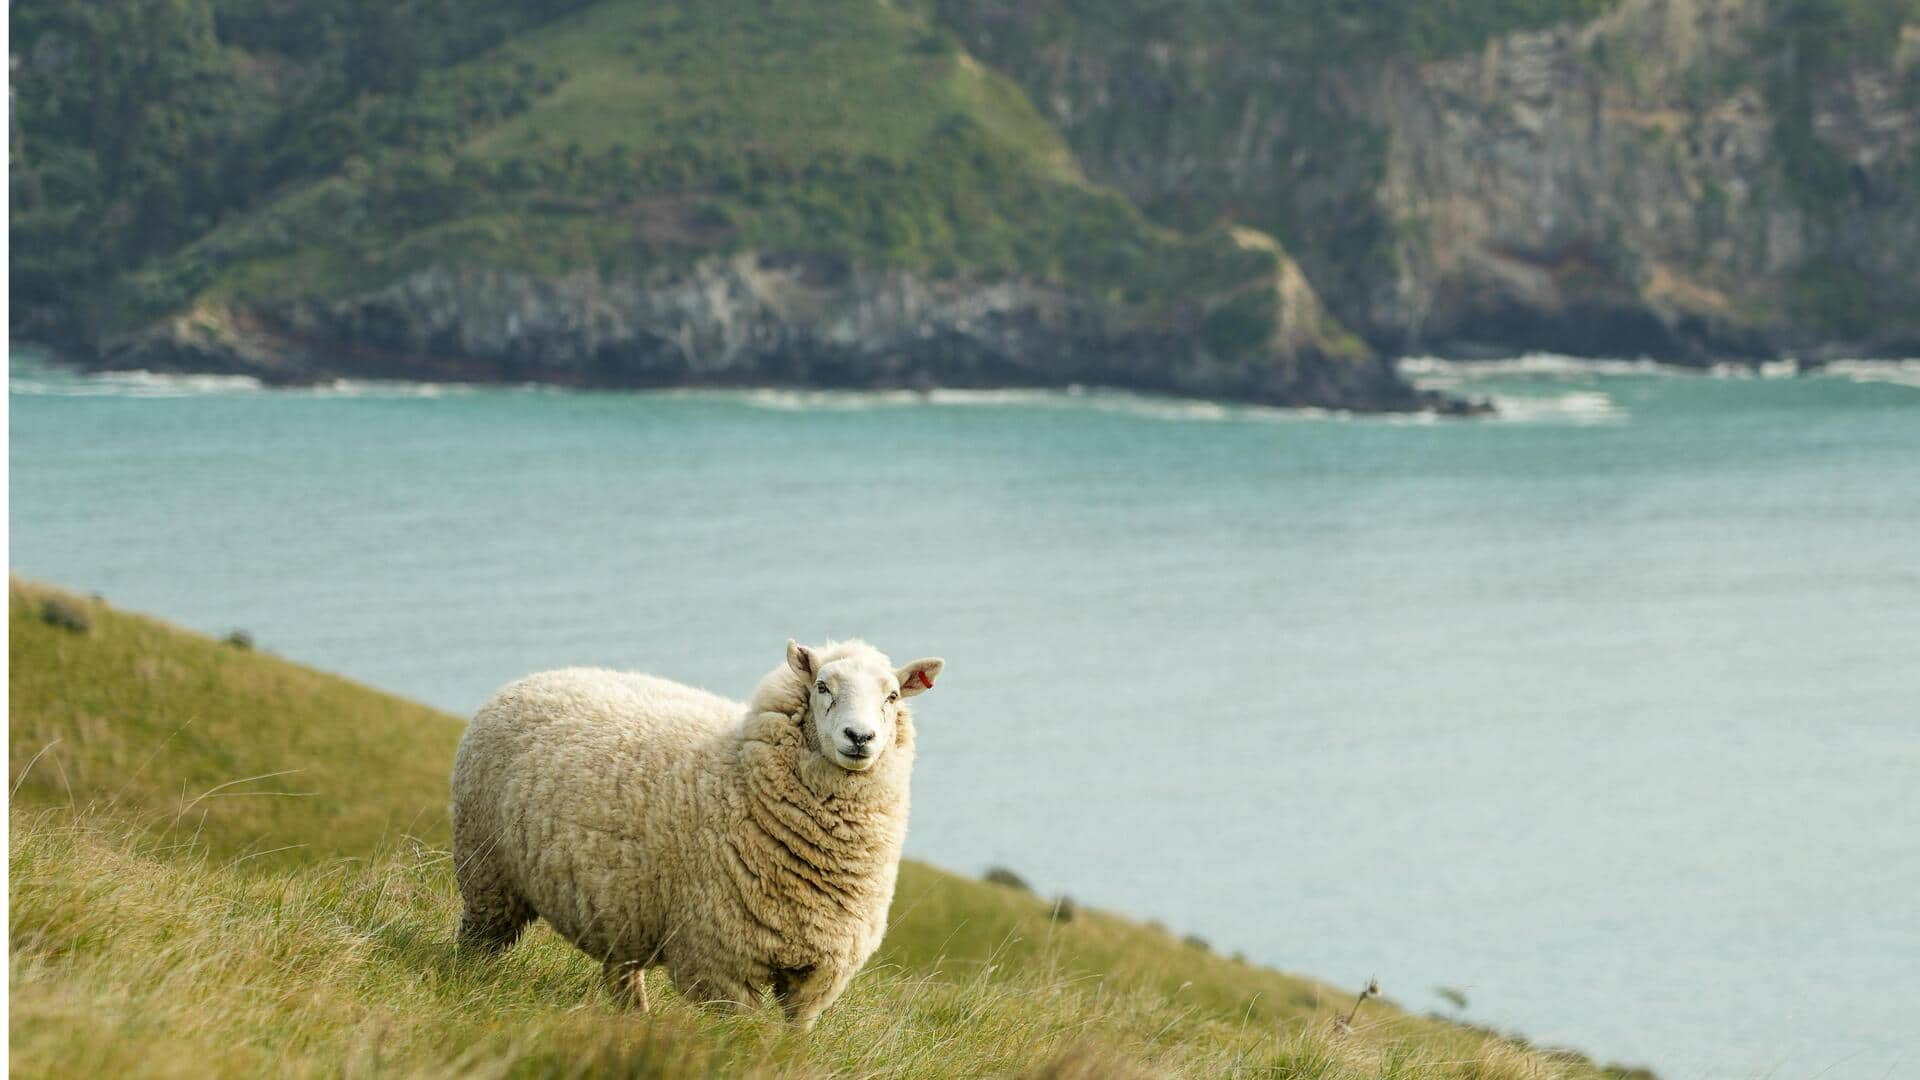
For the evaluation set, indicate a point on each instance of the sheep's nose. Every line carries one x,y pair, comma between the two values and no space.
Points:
856,738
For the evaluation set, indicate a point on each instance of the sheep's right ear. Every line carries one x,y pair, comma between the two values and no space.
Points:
800,658
917,677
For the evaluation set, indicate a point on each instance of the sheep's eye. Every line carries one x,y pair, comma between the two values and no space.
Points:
893,697
821,686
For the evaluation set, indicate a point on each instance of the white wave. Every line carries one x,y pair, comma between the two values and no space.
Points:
1532,363
1080,397
42,380
133,384
181,383
1898,372
811,400
30,379
1434,373
1579,407
1019,396
1576,407
1146,406
1766,369
32,387
384,388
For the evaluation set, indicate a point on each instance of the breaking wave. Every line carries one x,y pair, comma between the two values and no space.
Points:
1534,363
1896,372
1576,407
31,378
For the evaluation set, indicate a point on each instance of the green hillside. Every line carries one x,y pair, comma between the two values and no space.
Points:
224,863
242,165
659,134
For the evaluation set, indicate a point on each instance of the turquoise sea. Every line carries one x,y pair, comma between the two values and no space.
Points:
1605,712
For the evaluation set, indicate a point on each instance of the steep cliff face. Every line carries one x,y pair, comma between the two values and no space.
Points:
1205,112
1686,179
1620,187
754,319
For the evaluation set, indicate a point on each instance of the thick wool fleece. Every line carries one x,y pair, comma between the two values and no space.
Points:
653,823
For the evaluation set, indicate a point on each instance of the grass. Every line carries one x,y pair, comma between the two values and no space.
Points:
171,916
845,76
620,137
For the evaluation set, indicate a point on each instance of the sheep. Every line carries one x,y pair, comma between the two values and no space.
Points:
651,823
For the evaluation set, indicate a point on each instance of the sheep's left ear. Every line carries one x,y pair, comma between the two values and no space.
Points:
800,659
917,677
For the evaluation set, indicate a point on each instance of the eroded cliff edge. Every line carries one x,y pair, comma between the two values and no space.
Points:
1691,180
753,320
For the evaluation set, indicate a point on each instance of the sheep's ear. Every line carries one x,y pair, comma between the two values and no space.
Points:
800,658
917,677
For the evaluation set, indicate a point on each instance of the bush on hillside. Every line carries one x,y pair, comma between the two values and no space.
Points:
65,614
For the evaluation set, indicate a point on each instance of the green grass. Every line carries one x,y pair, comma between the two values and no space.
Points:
224,863
844,127
847,77
611,137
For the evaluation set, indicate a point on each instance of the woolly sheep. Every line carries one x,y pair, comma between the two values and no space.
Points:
739,846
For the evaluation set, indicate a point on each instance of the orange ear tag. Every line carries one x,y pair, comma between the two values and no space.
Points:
924,681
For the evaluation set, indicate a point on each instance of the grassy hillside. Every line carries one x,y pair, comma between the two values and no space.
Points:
252,160
226,863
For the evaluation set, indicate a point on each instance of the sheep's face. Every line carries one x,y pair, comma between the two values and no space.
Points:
853,700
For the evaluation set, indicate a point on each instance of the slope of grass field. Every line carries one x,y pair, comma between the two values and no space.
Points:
224,863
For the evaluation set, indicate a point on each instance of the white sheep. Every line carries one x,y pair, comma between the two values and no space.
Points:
739,846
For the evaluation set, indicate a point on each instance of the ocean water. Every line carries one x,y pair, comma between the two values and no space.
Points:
1605,712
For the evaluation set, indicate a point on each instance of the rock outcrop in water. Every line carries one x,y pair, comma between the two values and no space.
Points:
750,319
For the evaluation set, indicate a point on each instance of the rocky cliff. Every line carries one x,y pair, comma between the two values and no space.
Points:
1684,179
754,319
1619,187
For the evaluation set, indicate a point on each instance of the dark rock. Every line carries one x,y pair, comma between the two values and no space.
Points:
1000,875
748,320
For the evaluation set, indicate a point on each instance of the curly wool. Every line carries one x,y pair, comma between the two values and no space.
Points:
652,823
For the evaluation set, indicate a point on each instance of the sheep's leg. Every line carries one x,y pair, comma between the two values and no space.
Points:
627,982
805,993
492,927
494,913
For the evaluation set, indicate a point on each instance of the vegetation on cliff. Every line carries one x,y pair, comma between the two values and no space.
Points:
250,153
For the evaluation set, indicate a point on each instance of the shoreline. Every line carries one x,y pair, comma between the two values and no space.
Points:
1384,393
